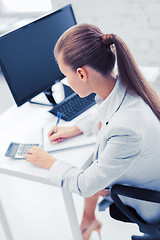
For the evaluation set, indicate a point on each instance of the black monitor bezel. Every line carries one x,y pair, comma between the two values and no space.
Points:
4,70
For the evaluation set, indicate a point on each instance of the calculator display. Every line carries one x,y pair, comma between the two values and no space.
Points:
12,149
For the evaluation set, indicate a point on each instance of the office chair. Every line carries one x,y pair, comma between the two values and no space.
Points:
128,214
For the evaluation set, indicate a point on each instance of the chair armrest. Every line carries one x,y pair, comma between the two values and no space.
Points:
136,193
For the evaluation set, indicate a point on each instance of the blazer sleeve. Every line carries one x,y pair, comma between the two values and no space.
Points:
122,149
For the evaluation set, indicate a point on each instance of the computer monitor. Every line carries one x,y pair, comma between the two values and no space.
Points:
26,55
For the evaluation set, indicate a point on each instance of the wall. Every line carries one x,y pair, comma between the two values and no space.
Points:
136,21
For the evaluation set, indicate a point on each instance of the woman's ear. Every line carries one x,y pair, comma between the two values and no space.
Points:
82,74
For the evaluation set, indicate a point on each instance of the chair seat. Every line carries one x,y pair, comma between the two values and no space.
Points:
128,214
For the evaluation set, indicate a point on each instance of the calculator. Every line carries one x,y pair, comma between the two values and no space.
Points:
18,150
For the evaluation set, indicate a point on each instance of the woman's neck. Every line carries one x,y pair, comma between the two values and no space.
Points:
104,85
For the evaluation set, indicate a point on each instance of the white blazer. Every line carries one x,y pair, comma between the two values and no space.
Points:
127,151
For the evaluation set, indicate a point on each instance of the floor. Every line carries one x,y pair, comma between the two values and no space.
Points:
36,211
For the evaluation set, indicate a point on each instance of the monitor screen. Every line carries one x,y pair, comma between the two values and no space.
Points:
26,54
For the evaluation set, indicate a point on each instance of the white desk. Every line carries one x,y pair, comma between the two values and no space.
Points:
24,124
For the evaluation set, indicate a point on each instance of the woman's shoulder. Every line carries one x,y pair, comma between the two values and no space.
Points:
135,119
135,113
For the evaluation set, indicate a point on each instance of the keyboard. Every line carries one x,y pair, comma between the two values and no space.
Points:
73,105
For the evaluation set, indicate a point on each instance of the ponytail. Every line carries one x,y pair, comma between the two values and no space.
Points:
85,44
131,76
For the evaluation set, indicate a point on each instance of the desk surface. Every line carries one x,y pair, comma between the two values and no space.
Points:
24,125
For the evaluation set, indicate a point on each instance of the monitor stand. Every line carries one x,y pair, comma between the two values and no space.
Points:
50,96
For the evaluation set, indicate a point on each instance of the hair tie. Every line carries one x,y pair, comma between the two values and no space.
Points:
108,39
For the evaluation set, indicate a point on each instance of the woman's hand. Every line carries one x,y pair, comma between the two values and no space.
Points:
57,134
39,157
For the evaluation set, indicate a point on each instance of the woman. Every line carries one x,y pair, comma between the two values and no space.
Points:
127,124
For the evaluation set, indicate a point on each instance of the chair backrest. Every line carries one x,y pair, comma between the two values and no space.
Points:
136,193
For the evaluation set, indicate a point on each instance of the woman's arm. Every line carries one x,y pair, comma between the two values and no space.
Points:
122,149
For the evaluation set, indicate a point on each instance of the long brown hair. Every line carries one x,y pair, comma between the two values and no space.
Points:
85,44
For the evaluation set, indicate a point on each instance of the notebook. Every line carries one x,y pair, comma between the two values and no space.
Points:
73,143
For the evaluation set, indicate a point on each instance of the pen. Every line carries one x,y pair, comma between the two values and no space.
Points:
58,120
